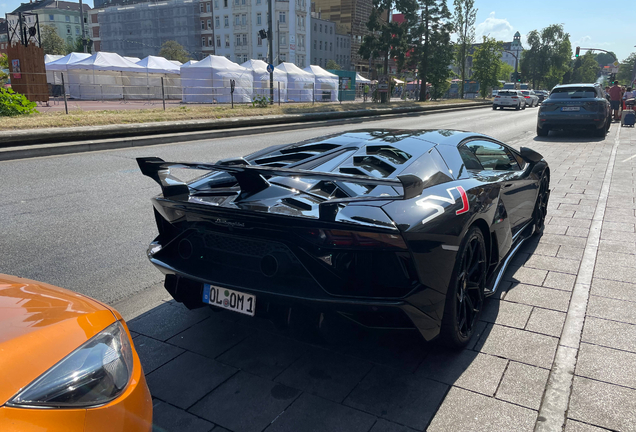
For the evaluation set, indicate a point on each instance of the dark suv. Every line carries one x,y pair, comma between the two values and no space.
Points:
575,106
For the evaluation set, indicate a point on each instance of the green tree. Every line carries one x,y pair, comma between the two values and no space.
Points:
548,58
603,58
626,70
78,46
434,52
585,69
487,64
464,24
505,71
4,64
173,50
331,64
52,43
387,39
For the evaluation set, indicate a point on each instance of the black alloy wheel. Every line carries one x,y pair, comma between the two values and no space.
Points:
465,296
541,206
542,131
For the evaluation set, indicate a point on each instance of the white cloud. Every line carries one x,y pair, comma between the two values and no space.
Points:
497,28
585,40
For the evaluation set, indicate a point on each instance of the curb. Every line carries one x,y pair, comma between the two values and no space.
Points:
51,135
47,143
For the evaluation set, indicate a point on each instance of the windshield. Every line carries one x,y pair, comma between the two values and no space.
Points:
507,93
572,93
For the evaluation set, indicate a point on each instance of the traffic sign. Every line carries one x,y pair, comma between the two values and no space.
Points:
270,68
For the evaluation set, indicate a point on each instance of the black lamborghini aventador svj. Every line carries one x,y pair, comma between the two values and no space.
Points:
391,229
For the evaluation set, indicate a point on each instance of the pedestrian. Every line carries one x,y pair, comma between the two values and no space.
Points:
366,91
615,100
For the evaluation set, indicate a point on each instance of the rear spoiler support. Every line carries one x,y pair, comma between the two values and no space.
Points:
252,179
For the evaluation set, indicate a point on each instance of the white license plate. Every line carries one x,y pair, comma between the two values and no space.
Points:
229,299
570,108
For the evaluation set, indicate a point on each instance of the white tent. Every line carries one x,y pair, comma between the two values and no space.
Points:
189,63
56,67
157,68
132,59
48,58
208,81
177,62
361,80
300,83
326,84
261,79
105,75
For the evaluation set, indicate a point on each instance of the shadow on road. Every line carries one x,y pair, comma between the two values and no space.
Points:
207,367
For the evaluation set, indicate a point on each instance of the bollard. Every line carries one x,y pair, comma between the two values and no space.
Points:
163,95
64,91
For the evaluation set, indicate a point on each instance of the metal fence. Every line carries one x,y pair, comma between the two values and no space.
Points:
170,89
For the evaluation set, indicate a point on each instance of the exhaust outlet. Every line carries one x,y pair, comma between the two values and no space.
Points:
275,264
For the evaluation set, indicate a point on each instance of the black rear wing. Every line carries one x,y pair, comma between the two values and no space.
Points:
252,179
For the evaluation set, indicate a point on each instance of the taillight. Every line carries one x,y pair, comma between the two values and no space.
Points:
527,97
497,97
354,239
514,97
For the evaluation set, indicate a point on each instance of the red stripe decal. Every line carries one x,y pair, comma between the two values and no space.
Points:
465,207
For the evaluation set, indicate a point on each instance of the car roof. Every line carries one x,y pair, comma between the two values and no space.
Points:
592,85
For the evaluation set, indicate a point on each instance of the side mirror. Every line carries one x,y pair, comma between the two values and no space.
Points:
530,155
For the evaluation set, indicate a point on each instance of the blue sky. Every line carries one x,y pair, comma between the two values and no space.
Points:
590,23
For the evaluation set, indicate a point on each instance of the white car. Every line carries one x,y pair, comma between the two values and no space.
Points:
531,98
509,98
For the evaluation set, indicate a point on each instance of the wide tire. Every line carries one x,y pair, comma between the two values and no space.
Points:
542,132
494,107
600,133
541,206
518,107
465,295
524,106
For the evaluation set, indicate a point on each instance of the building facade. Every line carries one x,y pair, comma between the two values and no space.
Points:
140,29
4,38
237,24
64,16
326,44
513,47
350,17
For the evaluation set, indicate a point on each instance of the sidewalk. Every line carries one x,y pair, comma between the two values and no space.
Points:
556,346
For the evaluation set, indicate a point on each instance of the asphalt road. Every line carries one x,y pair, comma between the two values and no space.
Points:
83,221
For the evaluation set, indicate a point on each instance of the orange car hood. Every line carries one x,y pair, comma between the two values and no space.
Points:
40,324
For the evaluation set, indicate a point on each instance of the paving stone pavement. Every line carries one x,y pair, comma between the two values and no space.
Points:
215,371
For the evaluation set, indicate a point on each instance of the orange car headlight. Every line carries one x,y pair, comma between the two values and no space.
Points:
94,374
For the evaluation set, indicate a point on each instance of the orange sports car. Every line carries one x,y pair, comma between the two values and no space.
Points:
67,363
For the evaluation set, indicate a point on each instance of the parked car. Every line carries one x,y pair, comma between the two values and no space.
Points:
575,106
509,98
542,94
531,98
391,229
68,363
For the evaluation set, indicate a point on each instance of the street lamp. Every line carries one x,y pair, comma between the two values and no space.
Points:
516,61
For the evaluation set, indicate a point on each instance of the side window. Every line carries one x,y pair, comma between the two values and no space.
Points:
493,156
470,160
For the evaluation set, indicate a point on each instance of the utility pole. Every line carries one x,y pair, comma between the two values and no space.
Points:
82,24
270,40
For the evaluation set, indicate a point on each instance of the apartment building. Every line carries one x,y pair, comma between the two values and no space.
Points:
64,16
350,18
139,29
4,38
237,24
327,44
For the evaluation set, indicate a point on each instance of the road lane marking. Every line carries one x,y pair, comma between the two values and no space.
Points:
629,158
556,398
